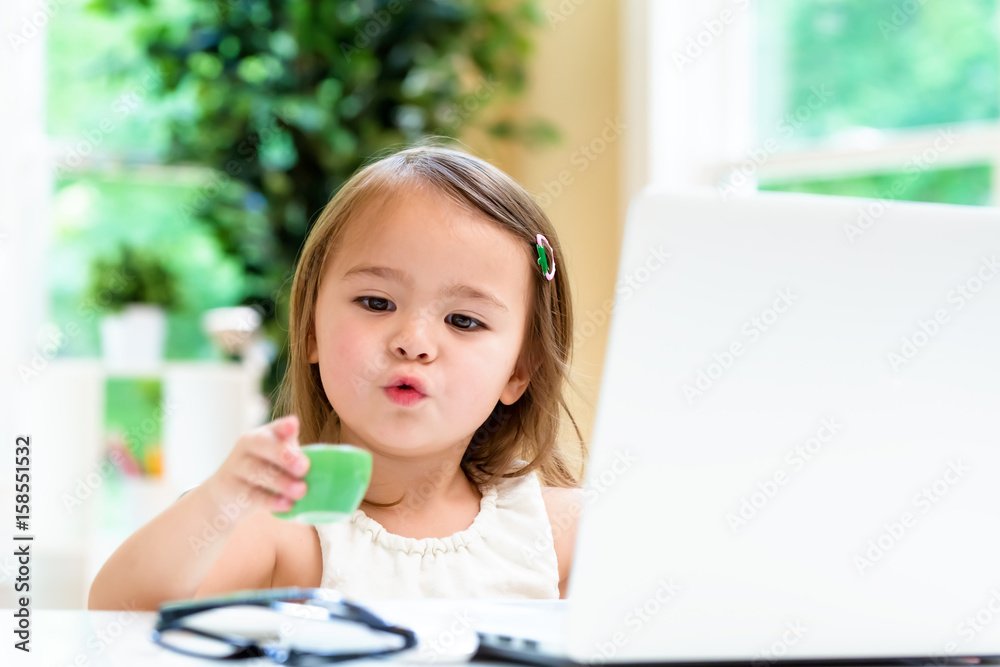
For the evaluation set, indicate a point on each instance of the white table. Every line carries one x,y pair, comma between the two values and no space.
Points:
63,638
79,516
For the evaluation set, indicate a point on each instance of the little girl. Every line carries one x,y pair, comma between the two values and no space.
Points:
431,325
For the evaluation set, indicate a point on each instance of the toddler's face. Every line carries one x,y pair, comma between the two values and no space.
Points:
410,294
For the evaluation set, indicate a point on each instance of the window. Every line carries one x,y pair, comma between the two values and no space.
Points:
877,98
108,144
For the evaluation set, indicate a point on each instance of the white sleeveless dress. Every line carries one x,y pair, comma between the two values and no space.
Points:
507,552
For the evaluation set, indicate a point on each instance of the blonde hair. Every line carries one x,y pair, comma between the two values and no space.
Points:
515,439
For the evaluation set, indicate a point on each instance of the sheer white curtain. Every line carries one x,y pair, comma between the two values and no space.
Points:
39,397
687,91
25,188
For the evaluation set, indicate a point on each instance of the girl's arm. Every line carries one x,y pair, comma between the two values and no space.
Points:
563,507
248,561
290,551
170,557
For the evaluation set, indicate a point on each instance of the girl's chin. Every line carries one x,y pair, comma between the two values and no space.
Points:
390,437
401,446
384,438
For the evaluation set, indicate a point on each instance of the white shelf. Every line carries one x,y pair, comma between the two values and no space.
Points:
78,524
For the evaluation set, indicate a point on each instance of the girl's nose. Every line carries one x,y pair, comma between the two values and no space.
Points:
413,340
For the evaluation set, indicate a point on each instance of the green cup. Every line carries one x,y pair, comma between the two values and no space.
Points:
335,484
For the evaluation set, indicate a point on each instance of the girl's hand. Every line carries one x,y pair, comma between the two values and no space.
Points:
263,471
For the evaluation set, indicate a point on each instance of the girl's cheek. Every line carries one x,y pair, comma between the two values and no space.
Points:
354,343
352,362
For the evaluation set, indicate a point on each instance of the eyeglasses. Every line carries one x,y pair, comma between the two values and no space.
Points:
291,626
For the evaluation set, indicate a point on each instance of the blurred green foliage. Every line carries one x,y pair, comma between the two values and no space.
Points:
885,63
131,275
966,185
835,69
97,213
281,101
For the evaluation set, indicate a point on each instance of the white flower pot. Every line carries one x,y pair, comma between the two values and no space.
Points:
133,340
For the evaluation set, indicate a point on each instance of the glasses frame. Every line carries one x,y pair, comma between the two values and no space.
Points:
338,609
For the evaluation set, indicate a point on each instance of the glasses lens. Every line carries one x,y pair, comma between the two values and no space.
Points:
188,642
302,627
309,628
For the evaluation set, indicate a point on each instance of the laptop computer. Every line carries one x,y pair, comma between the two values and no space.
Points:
796,452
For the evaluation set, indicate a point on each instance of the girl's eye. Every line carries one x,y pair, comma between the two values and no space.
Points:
465,323
375,303
379,305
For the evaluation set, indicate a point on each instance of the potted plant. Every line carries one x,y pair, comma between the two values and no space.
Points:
285,100
133,288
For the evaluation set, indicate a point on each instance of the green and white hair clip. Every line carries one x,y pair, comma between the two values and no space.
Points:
546,259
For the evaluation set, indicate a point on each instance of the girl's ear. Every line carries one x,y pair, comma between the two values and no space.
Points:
516,384
311,348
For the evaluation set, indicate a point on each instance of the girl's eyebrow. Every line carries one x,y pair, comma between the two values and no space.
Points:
455,290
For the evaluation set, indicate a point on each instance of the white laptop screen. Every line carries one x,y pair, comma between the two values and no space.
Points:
810,424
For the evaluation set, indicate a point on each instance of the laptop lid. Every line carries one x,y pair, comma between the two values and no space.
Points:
796,450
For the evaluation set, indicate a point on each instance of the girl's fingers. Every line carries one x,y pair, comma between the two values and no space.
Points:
285,427
267,465
282,452
265,475
272,502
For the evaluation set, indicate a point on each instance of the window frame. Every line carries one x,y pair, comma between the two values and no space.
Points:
673,105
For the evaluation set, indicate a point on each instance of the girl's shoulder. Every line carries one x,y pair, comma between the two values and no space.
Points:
298,556
563,507
264,551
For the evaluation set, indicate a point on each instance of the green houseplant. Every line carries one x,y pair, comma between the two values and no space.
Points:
132,288
284,99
